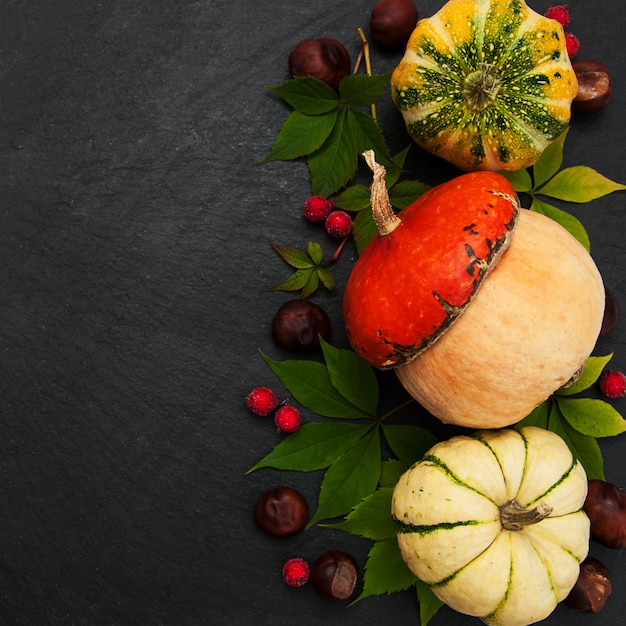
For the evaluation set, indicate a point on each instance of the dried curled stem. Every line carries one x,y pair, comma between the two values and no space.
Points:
382,211
513,516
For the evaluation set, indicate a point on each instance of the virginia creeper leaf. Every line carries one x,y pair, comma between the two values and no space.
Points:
579,183
296,282
354,198
406,192
352,477
390,472
315,252
311,284
429,603
326,278
308,95
550,161
314,446
310,384
520,179
565,219
293,256
362,90
368,135
537,417
408,443
590,374
353,378
385,570
592,417
363,229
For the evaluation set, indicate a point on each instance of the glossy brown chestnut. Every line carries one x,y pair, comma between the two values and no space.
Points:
281,511
611,313
392,22
325,59
605,506
298,325
592,589
334,575
594,86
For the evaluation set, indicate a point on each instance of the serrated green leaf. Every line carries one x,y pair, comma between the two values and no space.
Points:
352,377
368,135
567,220
590,374
354,198
293,256
350,478
297,281
314,446
326,278
301,135
406,192
335,162
592,417
584,447
363,90
537,417
371,518
311,285
429,603
520,179
385,570
550,161
315,252
390,472
308,95
310,384
579,183
408,443
363,229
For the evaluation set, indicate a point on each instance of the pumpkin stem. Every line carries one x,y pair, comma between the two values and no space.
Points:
513,516
480,88
386,220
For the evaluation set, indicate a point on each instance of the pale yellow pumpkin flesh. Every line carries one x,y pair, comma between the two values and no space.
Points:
528,331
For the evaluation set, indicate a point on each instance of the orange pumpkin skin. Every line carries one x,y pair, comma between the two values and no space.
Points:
409,286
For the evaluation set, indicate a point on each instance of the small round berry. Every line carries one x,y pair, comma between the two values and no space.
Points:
613,384
338,224
262,401
573,44
288,419
296,572
317,208
560,13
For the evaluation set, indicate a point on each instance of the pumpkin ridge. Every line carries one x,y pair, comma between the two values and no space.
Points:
564,477
438,464
507,593
426,529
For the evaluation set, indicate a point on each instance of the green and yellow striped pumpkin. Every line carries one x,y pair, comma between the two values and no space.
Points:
485,84
493,522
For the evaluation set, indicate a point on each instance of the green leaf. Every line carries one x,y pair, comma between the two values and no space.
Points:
301,135
406,192
550,161
311,284
363,229
579,183
584,447
315,252
537,417
293,256
368,135
408,443
354,198
352,377
520,179
592,417
314,446
350,478
567,220
326,278
334,164
429,603
363,90
308,95
390,472
371,518
310,384
297,281
590,374
385,570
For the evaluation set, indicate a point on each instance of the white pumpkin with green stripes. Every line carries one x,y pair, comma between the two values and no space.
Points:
493,522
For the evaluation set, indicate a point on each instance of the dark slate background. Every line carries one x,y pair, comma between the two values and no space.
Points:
134,227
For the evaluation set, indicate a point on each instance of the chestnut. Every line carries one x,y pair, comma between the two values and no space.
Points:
605,507
611,313
392,22
592,589
594,86
334,575
281,511
298,325
325,59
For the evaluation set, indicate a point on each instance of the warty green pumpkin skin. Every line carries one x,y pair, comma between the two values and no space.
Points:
485,84
493,522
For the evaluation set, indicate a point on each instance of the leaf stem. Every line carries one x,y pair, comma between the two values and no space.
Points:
395,410
368,64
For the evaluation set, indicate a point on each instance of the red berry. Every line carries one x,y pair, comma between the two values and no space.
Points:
573,45
338,224
560,13
296,572
317,208
613,384
261,401
288,419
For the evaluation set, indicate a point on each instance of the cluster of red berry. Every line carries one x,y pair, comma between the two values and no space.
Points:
263,401
317,209
560,13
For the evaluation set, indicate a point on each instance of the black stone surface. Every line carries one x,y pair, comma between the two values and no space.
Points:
134,227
